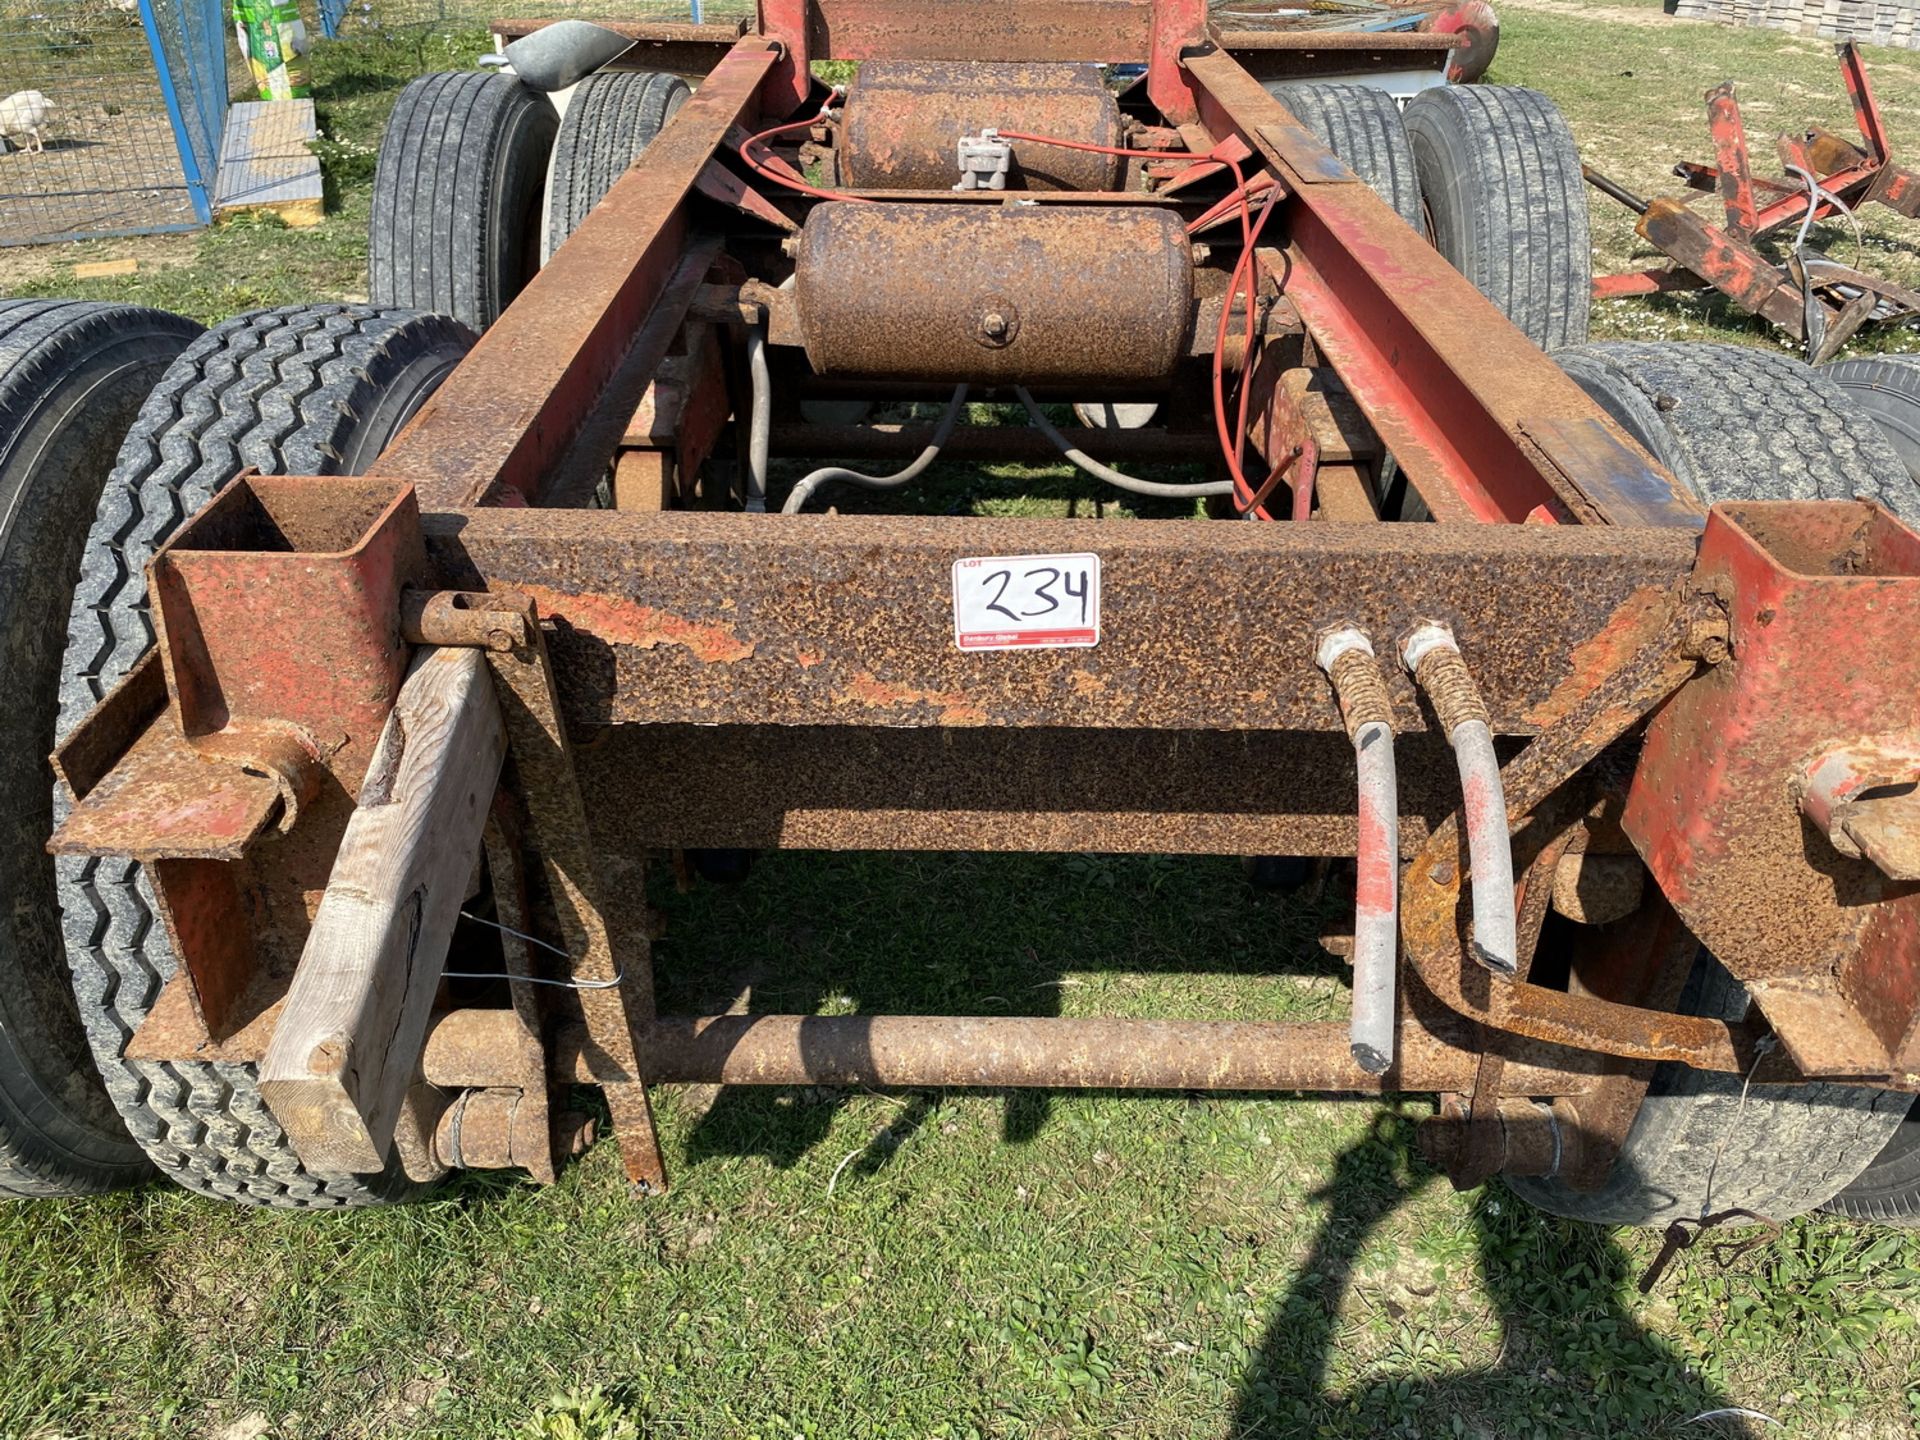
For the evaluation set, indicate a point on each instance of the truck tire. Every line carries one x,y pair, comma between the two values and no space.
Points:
1888,1190
72,377
611,119
1362,126
1887,387
1736,423
457,193
1700,1146
1507,207
313,390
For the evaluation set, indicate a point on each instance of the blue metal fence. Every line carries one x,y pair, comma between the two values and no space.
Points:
114,111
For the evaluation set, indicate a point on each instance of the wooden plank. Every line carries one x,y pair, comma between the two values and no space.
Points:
348,1041
267,162
105,269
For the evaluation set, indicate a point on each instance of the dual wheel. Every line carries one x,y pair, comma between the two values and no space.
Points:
480,179
1489,173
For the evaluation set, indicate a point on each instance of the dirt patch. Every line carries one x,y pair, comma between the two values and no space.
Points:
104,172
23,265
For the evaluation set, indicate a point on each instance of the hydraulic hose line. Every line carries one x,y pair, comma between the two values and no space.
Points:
1432,657
1093,467
830,473
759,421
1347,657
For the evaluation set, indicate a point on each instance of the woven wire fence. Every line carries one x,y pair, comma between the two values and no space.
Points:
343,17
111,112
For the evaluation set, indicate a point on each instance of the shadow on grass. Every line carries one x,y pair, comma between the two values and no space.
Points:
973,943
1557,1312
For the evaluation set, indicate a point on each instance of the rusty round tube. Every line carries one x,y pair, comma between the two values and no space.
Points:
465,1049
902,123
989,442
1032,295
1005,1052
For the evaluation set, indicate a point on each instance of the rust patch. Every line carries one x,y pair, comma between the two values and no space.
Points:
622,622
876,694
1634,626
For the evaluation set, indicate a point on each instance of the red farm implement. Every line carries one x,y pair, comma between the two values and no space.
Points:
397,656
1818,301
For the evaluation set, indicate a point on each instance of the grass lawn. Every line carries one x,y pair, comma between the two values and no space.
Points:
971,1265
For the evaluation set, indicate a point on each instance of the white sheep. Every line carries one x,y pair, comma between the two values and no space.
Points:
23,113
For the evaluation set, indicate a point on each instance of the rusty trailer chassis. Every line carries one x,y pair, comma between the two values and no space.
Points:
1719,705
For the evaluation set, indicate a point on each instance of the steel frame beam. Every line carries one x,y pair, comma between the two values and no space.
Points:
1486,425
508,414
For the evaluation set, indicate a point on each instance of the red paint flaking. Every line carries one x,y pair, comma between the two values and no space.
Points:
622,622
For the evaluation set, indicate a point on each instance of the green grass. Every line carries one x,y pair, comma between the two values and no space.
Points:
922,1265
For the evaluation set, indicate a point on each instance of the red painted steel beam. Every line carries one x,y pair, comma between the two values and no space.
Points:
1486,425
507,415
790,81
1866,110
1735,174
1177,24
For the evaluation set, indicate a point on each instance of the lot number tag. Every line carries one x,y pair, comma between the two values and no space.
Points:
1026,602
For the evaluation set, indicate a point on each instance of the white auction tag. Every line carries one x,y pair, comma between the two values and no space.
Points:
1026,602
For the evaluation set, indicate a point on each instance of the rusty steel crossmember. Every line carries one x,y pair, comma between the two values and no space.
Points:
676,678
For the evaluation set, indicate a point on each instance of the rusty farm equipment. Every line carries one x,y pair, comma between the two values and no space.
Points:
1817,300
396,656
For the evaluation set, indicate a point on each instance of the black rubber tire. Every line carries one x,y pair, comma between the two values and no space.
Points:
611,119
1362,126
1888,1190
1697,1147
457,196
1501,178
1736,423
1887,387
72,378
313,390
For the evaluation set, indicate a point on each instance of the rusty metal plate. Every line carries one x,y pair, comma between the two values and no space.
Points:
1824,602
808,787
165,799
741,619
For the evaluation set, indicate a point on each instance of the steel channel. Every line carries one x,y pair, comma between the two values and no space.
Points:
1083,30
993,442
675,48
846,620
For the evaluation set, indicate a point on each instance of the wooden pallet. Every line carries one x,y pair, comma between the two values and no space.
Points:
267,162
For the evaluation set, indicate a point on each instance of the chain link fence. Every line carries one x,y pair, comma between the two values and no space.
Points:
111,112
